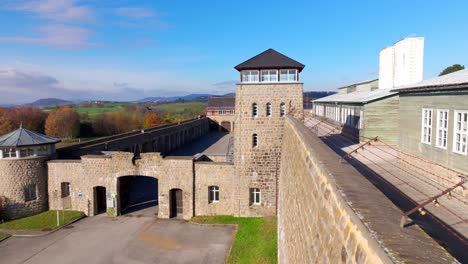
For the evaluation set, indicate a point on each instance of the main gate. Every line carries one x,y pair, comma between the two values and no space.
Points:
137,193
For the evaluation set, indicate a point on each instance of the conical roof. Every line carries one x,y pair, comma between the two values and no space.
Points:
270,59
23,137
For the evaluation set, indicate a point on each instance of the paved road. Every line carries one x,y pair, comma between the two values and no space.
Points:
128,239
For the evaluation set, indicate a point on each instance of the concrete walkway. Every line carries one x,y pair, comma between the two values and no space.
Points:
134,238
412,182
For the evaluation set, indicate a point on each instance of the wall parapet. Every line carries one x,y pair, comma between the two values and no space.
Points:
330,213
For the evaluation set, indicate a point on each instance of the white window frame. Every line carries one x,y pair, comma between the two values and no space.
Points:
253,192
269,110
213,195
442,128
248,76
463,133
282,109
254,110
255,140
270,75
288,73
426,138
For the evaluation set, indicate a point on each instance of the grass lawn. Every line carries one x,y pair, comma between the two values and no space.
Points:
180,107
3,236
93,112
44,221
255,241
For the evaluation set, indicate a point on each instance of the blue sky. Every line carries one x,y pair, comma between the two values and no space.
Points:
127,50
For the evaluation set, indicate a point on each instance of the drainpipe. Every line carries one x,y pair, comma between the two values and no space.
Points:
193,187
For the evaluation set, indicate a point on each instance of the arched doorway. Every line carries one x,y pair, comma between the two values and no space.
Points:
226,126
136,193
100,203
176,203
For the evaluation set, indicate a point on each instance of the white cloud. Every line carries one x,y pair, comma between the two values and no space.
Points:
59,35
56,10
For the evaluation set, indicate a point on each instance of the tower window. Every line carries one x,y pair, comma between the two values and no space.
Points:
249,76
269,75
254,110
282,109
255,196
213,194
254,140
268,109
288,75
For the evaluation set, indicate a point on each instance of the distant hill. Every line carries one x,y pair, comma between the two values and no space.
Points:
189,97
316,95
48,102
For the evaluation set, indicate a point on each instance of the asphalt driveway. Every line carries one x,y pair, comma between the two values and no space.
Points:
134,238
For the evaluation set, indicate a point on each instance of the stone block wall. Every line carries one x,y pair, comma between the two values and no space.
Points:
93,171
330,213
221,174
258,167
15,174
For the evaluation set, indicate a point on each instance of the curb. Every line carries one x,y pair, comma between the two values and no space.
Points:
228,253
3,239
44,232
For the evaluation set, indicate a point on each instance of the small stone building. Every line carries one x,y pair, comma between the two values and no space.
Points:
433,120
23,172
222,109
364,113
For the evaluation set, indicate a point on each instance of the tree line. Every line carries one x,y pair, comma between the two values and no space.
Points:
66,123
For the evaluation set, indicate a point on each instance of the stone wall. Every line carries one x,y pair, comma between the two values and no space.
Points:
92,171
15,174
330,213
258,167
161,139
221,174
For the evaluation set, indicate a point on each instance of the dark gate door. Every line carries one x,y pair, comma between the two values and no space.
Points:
226,126
176,203
100,205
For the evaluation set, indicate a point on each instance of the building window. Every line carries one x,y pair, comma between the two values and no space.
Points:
213,194
282,109
254,110
255,196
269,75
65,188
249,76
30,193
288,75
460,132
268,109
442,128
254,140
426,132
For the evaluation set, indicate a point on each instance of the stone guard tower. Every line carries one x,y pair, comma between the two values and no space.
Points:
268,90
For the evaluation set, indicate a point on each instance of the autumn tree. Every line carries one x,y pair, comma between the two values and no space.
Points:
152,120
63,123
6,126
108,124
30,117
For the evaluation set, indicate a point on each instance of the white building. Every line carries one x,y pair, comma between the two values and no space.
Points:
401,64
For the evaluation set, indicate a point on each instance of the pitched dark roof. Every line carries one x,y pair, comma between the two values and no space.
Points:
23,137
221,101
270,59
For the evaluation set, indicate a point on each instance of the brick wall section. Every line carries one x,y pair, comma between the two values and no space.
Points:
92,171
219,174
329,213
259,167
14,175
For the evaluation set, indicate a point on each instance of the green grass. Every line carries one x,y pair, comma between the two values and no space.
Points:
255,241
68,142
43,221
93,112
3,236
180,107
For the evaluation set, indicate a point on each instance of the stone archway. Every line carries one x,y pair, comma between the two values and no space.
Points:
176,203
137,192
